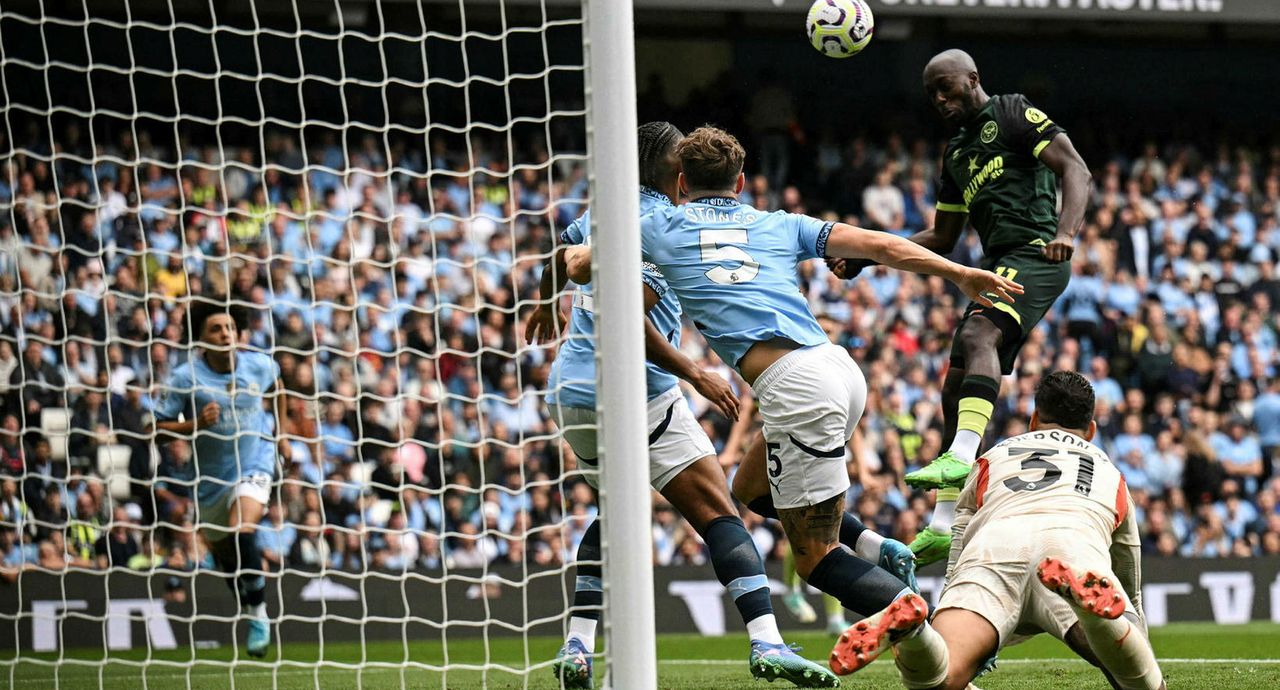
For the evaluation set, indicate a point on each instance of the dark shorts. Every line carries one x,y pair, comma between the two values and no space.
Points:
1043,282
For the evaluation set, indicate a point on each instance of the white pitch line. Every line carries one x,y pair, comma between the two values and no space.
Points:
665,662
999,662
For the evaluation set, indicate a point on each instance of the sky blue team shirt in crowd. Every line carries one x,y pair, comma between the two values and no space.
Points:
240,441
734,270
573,374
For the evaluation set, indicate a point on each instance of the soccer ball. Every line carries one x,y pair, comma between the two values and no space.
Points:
840,28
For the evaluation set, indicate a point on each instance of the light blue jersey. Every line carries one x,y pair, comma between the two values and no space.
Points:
240,442
573,374
734,270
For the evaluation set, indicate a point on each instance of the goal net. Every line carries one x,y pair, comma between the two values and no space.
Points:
378,185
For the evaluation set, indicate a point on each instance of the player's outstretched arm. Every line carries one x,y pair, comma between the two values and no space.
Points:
850,242
941,238
1061,157
660,351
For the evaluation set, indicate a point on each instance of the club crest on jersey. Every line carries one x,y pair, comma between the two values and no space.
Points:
990,131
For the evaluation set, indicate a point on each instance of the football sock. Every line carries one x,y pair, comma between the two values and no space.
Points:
583,630
977,401
867,542
1123,649
922,658
764,629
860,586
588,589
739,569
251,586
944,513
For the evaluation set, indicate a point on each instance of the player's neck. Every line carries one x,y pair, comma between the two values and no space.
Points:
221,362
1057,427
700,194
980,100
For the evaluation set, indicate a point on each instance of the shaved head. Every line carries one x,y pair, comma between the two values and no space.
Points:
952,84
954,61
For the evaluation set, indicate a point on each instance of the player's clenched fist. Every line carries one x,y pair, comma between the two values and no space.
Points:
209,415
1059,250
847,269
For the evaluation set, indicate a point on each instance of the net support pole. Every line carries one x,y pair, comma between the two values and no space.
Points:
615,208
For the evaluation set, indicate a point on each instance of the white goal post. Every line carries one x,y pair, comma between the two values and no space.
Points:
377,183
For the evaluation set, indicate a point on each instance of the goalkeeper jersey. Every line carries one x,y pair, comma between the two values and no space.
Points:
1049,473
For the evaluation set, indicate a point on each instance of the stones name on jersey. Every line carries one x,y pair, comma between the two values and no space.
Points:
712,214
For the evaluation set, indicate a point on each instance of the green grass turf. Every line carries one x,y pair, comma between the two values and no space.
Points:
1196,656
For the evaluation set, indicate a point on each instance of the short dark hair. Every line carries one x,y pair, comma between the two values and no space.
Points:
1065,398
201,309
710,158
656,139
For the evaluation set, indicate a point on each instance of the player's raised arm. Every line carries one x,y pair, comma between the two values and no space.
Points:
1061,157
850,242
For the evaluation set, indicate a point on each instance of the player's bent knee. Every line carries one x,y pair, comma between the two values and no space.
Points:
808,556
979,334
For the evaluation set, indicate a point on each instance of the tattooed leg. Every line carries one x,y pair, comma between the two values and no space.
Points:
814,532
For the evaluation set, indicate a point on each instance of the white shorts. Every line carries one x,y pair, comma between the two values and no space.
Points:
995,577
217,513
676,440
811,401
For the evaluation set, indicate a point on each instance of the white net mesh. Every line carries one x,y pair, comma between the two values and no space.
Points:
379,184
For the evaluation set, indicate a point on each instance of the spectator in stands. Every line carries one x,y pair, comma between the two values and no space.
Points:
90,427
1240,453
118,545
275,538
1266,419
310,551
175,482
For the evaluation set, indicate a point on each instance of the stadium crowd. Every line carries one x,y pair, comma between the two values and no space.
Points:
393,302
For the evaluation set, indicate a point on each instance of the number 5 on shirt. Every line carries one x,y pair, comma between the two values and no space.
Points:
712,250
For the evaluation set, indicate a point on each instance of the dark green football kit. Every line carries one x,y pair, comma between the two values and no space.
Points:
991,170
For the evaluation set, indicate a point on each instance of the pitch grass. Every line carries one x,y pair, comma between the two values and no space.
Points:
1194,656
